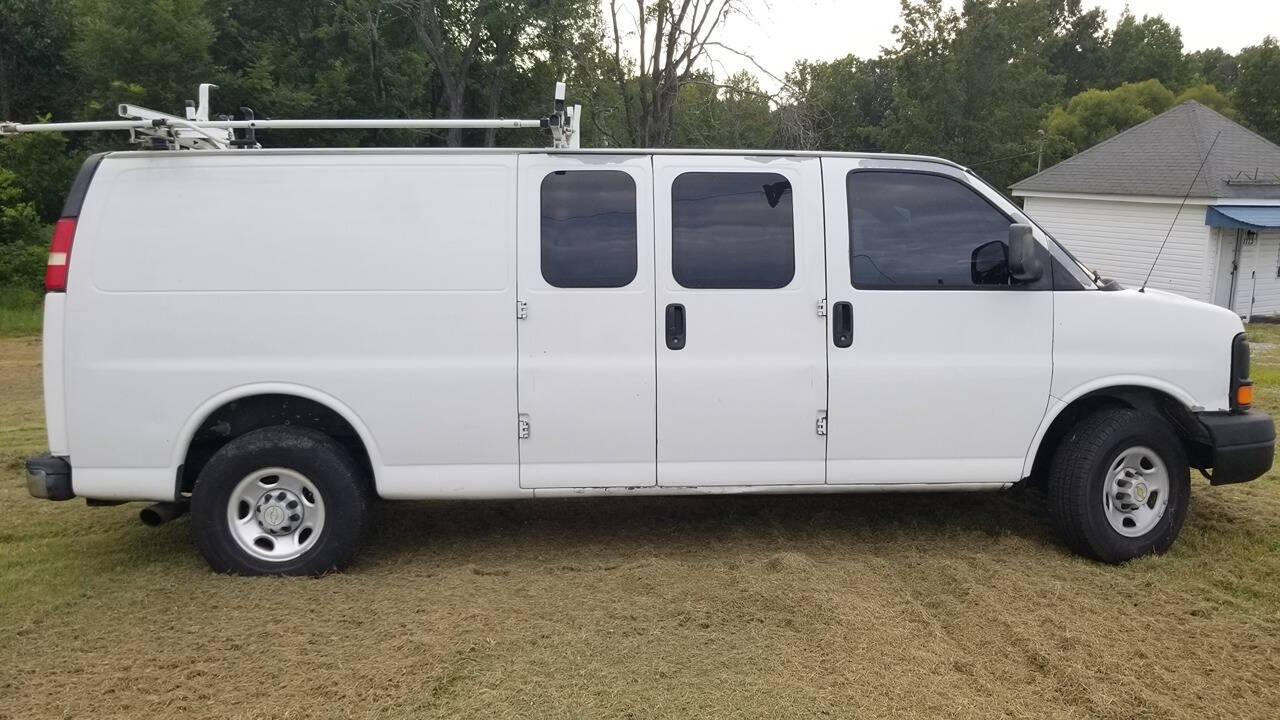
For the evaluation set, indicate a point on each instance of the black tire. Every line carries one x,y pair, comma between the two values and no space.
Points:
1078,474
326,464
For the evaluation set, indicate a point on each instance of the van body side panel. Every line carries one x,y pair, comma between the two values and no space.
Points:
384,282
1151,339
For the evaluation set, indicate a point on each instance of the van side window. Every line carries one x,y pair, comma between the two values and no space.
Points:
589,229
732,230
919,231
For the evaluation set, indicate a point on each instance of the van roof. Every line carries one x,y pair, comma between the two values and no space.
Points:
544,151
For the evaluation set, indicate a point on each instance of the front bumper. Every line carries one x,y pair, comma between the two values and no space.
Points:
1242,445
49,477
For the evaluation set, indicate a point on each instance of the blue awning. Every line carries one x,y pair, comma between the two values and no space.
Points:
1247,217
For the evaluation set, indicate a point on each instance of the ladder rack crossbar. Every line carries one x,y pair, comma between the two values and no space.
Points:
198,132
338,124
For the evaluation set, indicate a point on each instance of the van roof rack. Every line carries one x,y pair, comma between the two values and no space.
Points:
196,131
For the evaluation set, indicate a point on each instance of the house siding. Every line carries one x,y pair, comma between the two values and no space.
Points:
1120,241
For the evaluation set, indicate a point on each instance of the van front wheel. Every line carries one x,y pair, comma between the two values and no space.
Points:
279,501
1119,485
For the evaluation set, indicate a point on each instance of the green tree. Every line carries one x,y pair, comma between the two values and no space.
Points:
1095,115
1214,66
23,238
43,166
557,40
732,114
1145,49
152,52
1207,95
1080,57
838,105
299,58
476,47
34,78
1257,93
572,52
974,86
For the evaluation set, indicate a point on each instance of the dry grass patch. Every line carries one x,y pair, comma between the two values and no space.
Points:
825,606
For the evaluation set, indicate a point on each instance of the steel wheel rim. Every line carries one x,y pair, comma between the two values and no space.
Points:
275,514
1135,492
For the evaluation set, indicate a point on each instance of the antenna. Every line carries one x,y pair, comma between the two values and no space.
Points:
1191,188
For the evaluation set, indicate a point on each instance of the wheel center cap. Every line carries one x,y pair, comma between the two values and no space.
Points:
273,515
279,512
1140,491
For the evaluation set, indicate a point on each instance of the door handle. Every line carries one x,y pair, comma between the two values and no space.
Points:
842,325
675,326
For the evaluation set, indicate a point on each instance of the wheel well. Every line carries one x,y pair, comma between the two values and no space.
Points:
1144,399
243,415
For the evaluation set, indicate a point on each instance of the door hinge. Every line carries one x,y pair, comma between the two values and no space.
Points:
522,309
523,425
822,307
822,424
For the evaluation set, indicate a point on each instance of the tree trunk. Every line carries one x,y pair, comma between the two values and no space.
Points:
500,60
453,64
6,100
374,36
455,94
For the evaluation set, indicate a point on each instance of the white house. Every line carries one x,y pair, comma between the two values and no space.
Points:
1113,205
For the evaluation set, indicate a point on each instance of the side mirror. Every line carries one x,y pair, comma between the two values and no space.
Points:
989,264
1025,264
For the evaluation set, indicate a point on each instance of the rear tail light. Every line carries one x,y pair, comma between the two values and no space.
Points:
1241,385
55,273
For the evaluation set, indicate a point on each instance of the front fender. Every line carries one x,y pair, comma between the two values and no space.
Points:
1059,405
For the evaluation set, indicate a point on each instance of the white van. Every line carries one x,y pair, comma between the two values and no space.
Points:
274,338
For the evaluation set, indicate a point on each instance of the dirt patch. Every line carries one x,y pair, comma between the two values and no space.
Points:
788,562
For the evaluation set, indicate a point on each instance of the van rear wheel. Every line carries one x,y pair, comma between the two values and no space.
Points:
1119,485
280,501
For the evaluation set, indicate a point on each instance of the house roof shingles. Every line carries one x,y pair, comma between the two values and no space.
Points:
1160,157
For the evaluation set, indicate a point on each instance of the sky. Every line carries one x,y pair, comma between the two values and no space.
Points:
783,31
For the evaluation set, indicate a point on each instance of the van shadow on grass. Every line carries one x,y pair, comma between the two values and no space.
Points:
466,532
694,528
610,531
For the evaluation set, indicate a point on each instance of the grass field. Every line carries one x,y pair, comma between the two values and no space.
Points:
829,606
20,313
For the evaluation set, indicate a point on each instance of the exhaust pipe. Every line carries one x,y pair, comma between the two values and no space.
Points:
161,513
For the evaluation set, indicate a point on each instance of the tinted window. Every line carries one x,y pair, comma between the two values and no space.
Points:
1063,279
910,230
732,230
588,229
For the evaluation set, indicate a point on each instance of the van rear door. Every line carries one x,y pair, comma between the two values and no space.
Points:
741,364
586,334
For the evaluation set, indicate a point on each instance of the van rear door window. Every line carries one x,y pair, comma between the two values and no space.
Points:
589,229
732,230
